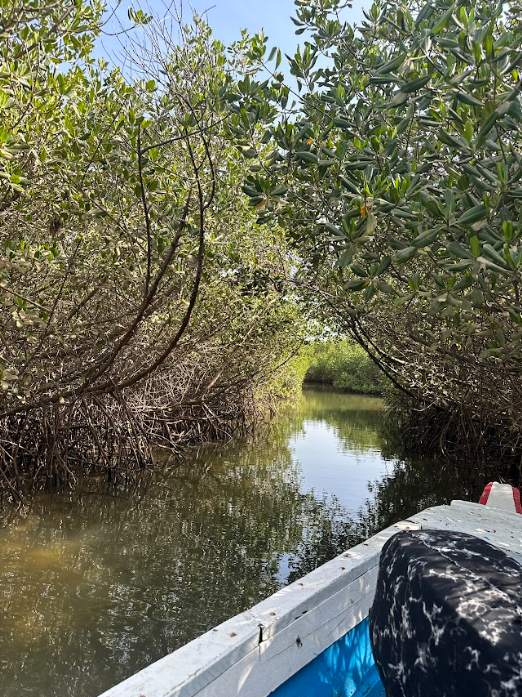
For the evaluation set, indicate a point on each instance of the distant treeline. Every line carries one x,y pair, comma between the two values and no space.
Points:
343,364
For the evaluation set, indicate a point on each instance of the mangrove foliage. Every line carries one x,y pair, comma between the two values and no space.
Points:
142,303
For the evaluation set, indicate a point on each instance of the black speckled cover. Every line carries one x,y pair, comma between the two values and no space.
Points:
447,617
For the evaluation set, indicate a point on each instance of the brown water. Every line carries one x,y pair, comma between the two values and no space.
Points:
95,586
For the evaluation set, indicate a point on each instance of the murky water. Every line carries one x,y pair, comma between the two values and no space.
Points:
94,587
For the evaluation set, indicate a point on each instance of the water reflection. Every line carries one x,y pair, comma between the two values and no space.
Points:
93,586
338,444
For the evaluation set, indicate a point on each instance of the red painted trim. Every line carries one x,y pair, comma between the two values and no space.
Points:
485,494
516,499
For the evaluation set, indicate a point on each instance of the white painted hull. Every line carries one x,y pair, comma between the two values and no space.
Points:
255,652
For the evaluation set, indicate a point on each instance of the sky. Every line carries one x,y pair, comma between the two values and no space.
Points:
228,17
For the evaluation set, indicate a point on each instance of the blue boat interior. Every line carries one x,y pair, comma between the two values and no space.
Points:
345,669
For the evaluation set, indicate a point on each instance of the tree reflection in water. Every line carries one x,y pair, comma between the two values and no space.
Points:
95,586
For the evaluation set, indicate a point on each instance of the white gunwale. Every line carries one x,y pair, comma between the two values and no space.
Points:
255,652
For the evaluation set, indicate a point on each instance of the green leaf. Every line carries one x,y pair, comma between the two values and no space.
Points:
448,139
425,238
425,13
357,284
475,246
357,269
415,85
384,265
466,98
384,286
473,215
406,254
308,157
486,127
391,65
349,185
443,20
492,253
341,123
458,251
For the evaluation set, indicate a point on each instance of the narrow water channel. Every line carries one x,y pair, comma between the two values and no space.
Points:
94,586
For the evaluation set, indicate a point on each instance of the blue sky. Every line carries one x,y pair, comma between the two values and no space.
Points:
228,17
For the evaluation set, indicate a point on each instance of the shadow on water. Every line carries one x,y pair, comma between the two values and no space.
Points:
94,587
